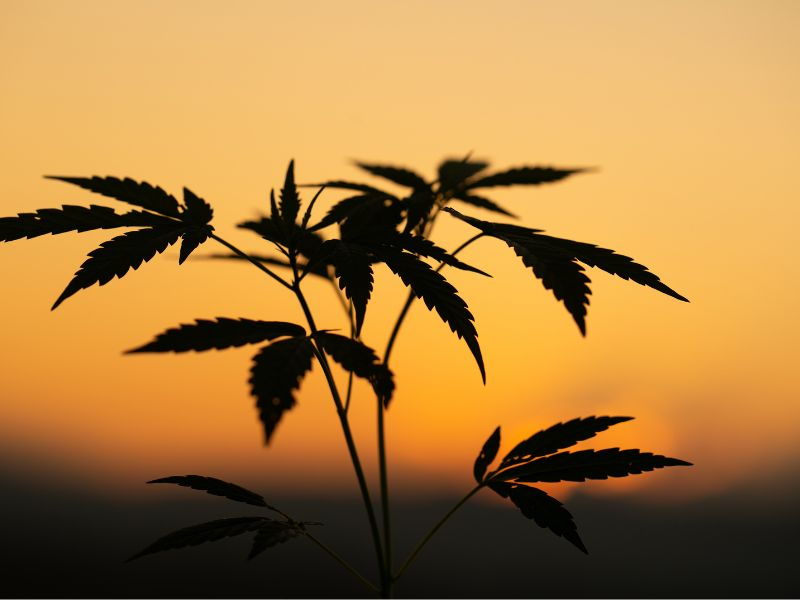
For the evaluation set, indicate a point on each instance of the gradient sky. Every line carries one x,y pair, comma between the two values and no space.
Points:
688,109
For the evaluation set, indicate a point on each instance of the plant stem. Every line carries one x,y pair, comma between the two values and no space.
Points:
342,562
384,481
434,529
348,435
247,257
384,477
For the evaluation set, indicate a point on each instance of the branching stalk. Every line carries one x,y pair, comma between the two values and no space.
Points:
342,562
434,529
348,435
252,260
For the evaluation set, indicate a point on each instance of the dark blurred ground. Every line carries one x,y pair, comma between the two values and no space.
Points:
741,544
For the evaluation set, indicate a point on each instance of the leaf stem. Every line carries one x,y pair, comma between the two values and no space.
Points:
342,562
434,529
249,258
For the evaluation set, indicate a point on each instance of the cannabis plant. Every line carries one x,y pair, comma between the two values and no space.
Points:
375,227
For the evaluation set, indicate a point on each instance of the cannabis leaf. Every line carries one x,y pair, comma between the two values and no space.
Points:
437,293
277,371
219,333
558,437
524,465
360,359
418,210
481,202
422,246
354,187
290,201
556,262
272,533
371,221
120,254
353,268
523,176
305,241
398,175
197,210
74,218
588,464
214,486
127,190
205,532
453,173
546,511
486,455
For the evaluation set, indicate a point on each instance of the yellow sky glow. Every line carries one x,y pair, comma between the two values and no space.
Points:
689,111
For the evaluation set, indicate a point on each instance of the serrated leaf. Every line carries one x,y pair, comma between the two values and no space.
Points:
344,208
615,264
487,455
371,222
361,360
306,242
127,190
216,487
197,211
191,239
220,333
74,218
523,176
484,203
559,273
558,437
277,371
382,381
555,261
354,187
546,511
422,246
204,532
398,175
353,268
418,209
117,256
588,464
270,534
437,293
453,173
290,200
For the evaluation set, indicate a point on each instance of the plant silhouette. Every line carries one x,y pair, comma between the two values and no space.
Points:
374,227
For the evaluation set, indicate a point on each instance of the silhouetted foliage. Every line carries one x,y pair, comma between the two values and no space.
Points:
218,334
361,360
219,529
214,486
533,460
487,455
278,370
555,262
375,227
545,510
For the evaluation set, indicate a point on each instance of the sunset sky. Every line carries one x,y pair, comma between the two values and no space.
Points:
688,110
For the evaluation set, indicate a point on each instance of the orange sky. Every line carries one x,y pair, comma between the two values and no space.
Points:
688,109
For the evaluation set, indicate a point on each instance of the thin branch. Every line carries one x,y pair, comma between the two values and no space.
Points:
252,260
434,529
342,562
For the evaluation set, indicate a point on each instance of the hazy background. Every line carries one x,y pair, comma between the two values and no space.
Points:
690,112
